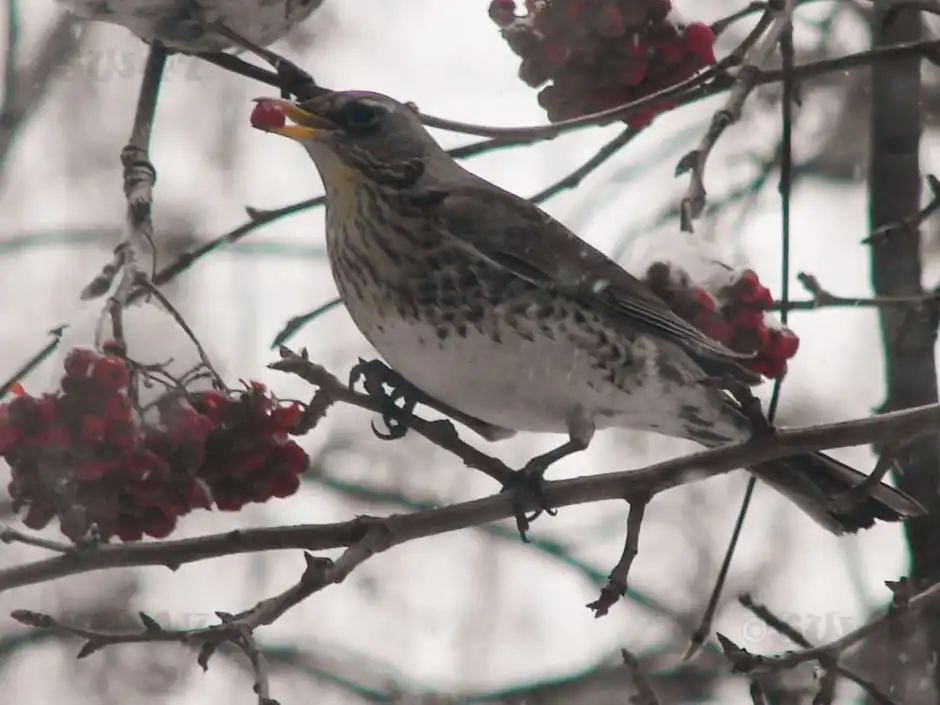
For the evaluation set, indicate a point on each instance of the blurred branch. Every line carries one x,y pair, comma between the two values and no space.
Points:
645,695
398,529
826,654
26,85
908,339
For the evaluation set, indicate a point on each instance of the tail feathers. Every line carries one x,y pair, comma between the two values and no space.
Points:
813,481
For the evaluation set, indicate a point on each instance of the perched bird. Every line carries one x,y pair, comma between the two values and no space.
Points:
181,24
484,302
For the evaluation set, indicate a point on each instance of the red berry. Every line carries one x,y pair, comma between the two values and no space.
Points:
159,525
39,515
128,529
763,297
609,21
789,343
114,347
53,437
286,416
111,372
231,503
91,469
198,494
145,464
211,404
763,336
267,115
503,12
633,75
634,46
249,463
281,485
700,40
557,54
18,389
717,329
94,428
783,344
641,118
8,437
22,412
672,52
293,457
117,407
748,318
703,299
46,408
191,426
122,433
79,361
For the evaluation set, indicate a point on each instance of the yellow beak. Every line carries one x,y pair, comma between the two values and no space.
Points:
308,125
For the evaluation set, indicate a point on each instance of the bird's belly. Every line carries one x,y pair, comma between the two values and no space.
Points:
535,385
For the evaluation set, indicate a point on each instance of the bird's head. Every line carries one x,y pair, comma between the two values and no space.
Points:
353,134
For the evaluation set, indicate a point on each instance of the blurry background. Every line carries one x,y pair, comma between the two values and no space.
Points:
476,615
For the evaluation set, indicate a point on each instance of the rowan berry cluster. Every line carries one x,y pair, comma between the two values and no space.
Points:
89,455
733,313
598,54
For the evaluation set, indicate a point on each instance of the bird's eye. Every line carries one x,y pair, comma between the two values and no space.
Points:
360,116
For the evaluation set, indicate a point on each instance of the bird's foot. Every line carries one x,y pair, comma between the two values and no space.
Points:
528,487
398,397
751,408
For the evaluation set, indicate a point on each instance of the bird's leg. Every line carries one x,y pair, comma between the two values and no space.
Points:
526,484
393,390
751,408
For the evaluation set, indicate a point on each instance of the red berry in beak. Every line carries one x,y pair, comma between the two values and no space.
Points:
267,115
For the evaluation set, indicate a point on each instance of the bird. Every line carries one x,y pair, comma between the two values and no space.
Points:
182,25
484,302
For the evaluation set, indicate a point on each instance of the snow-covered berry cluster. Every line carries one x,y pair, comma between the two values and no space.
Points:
90,454
732,309
598,54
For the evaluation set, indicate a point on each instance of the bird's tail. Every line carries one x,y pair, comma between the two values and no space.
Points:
814,480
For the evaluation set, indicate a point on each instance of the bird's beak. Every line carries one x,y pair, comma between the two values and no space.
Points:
307,125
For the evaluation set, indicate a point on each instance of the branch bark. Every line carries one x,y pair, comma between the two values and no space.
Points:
896,270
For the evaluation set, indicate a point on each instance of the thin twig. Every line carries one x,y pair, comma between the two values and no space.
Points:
912,223
645,695
745,81
763,613
746,662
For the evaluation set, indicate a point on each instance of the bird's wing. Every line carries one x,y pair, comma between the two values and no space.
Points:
517,236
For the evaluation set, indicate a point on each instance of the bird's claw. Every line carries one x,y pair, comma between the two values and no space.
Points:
382,383
527,487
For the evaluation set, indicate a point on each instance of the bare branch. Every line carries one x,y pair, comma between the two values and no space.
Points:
647,481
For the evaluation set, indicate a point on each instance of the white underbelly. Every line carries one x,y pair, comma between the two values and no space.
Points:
533,386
